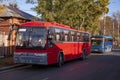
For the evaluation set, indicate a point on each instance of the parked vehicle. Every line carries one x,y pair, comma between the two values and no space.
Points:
101,43
49,42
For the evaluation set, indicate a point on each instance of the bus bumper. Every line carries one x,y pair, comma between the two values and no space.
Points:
97,50
27,58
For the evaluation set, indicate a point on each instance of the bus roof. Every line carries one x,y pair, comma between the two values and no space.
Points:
108,36
101,36
46,24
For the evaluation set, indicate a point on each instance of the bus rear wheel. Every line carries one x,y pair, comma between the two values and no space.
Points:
60,60
83,57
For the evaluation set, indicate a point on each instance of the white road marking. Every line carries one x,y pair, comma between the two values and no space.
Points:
45,78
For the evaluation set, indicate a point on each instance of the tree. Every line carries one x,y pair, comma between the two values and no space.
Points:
14,5
2,7
116,15
80,14
109,25
116,18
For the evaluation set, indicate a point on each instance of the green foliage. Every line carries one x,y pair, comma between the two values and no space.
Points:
14,5
79,14
2,7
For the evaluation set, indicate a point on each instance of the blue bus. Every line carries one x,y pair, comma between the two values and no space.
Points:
101,43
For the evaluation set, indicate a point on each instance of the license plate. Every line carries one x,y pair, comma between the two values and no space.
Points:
26,61
96,49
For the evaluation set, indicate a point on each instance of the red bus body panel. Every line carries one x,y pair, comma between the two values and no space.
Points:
71,50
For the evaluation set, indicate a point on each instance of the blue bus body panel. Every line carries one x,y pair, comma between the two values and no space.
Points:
106,47
97,48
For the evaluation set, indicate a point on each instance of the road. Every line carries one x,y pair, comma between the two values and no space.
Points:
98,67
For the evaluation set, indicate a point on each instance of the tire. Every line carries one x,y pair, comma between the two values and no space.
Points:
83,57
60,60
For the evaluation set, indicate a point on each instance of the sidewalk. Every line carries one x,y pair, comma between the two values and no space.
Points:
116,47
6,61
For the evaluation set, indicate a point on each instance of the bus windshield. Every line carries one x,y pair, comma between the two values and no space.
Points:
31,37
97,42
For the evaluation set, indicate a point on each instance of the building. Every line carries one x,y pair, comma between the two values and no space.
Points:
10,19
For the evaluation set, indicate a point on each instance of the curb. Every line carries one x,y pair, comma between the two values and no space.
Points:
115,49
11,67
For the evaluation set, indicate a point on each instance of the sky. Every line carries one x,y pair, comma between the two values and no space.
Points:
114,6
26,7
23,6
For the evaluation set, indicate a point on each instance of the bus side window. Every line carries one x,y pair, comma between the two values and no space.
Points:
78,36
75,36
62,35
81,37
51,37
72,36
86,37
66,35
51,33
57,35
69,36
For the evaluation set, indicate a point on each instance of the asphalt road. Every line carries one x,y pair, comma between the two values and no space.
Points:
98,67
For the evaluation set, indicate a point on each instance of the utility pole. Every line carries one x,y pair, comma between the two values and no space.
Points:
118,34
104,22
113,33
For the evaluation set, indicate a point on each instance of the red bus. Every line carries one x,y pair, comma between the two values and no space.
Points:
47,43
